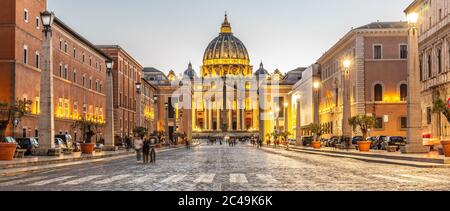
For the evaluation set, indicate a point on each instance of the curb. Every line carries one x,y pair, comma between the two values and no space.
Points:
362,158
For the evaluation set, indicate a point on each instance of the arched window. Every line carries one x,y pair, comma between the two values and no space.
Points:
403,92
378,93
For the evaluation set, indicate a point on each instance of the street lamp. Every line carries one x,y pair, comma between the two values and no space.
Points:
414,110
47,19
166,125
346,131
316,86
109,126
46,119
138,87
286,123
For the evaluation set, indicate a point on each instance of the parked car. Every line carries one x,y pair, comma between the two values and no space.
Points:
307,140
10,140
378,142
292,142
356,139
333,141
67,139
28,143
395,141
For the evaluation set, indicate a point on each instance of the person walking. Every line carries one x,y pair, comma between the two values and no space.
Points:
138,145
146,150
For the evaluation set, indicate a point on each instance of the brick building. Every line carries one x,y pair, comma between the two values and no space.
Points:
79,69
127,73
434,53
378,54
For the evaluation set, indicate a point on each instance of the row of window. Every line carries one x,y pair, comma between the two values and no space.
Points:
378,91
26,59
64,73
64,46
328,127
432,62
378,54
26,18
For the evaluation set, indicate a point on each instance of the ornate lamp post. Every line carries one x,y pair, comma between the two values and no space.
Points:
316,86
414,132
109,125
286,124
346,130
46,118
139,103
299,119
166,126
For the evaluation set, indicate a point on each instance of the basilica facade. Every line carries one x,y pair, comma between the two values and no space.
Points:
226,97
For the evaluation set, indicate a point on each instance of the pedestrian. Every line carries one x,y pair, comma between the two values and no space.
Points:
138,145
188,144
146,150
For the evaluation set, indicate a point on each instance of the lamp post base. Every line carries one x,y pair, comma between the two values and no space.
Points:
414,149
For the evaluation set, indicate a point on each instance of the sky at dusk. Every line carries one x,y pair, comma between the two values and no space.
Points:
167,34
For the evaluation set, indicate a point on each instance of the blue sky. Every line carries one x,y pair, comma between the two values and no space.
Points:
167,34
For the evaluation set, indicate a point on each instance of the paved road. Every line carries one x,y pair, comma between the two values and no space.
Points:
221,168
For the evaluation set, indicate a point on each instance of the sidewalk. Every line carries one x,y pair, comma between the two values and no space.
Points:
430,160
33,164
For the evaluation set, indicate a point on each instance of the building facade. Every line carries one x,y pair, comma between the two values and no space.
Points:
377,79
305,102
127,74
79,70
434,53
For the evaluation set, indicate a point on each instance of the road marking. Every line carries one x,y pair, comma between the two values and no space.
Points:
174,179
427,179
205,178
46,182
238,178
82,180
19,181
392,178
112,179
142,179
266,178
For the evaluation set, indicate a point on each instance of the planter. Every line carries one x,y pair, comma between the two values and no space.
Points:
446,148
316,144
87,148
7,151
364,146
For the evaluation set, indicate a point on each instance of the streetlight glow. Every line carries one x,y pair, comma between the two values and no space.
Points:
347,63
286,104
412,17
316,85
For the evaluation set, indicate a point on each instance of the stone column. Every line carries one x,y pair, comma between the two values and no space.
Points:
230,122
210,117
346,112
47,115
238,117
414,133
299,123
218,120
109,126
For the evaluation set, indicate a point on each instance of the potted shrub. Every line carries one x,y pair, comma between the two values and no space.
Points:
364,123
9,112
316,130
88,130
441,107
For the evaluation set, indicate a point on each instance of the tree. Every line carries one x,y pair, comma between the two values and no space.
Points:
317,130
11,111
140,132
362,122
439,106
88,128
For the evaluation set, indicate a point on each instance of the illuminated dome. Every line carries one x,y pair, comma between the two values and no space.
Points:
226,48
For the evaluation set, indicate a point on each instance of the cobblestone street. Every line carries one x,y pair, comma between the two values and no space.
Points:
240,168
